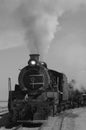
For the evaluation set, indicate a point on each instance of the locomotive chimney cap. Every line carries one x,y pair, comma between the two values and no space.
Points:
34,57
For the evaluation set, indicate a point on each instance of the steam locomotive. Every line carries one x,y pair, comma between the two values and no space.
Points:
39,93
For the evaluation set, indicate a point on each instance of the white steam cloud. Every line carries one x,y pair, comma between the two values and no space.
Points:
38,19
36,22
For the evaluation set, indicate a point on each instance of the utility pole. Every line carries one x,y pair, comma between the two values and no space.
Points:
9,84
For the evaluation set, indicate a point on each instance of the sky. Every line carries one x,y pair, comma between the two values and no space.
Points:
56,30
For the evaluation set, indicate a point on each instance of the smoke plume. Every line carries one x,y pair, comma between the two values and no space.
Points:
40,21
37,18
36,22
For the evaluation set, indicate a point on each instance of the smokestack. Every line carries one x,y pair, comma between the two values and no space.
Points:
34,57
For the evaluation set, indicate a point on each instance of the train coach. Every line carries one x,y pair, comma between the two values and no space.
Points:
40,92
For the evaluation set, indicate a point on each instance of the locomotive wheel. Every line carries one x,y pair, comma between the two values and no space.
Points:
37,116
9,122
58,108
53,109
14,117
40,115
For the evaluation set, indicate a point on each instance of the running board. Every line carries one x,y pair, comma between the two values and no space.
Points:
32,121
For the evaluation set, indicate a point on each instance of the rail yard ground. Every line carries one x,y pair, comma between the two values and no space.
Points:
73,119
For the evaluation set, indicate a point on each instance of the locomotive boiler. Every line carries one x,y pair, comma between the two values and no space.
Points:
39,92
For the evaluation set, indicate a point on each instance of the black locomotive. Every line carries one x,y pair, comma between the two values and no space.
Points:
40,92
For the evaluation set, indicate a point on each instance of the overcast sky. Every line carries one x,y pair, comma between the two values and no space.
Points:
67,51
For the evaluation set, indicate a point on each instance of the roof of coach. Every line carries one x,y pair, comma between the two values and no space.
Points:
56,73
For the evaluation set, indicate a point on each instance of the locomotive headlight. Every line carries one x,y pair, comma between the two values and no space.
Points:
33,62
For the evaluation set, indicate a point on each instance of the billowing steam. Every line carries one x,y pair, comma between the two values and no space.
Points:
38,19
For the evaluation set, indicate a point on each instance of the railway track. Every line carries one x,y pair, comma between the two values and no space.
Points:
53,123
17,127
50,125
3,107
61,123
2,112
20,127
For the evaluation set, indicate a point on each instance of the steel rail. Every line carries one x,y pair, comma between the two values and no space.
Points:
62,118
17,127
61,123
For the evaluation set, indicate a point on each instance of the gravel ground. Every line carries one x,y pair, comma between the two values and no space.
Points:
80,123
75,120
